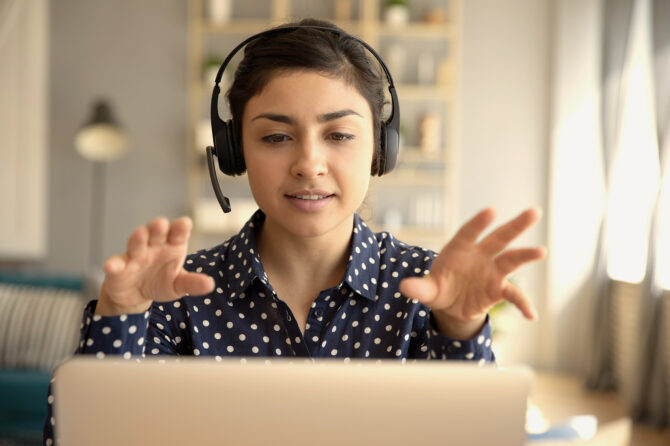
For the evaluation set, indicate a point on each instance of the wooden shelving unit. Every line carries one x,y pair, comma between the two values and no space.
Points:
418,201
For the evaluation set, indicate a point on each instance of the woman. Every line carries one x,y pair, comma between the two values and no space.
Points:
305,276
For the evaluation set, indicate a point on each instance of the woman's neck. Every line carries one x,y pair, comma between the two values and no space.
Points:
304,261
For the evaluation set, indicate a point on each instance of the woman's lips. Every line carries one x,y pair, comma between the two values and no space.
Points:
310,201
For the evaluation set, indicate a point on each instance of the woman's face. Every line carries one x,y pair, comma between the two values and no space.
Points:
308,145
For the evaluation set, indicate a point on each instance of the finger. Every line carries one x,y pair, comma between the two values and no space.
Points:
194,284
423,289
114,265
502,236
180,231
158,230
472,229
512,259
137,243
514,295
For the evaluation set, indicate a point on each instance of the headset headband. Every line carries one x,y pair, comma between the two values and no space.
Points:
393,120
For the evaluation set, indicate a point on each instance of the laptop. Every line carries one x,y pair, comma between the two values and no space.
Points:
288,402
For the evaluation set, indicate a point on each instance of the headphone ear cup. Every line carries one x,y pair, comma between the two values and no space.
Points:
228,150
388,152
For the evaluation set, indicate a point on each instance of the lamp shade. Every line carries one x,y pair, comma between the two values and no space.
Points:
101,139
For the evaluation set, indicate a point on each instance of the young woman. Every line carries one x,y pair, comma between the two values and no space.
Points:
305,276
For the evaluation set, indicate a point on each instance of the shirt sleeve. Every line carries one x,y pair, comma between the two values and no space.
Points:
113,335
432,345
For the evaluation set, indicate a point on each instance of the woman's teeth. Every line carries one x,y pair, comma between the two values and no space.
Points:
311,197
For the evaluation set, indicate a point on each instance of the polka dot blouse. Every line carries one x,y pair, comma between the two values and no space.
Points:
365,316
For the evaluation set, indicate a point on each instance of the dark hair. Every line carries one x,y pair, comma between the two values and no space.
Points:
333,54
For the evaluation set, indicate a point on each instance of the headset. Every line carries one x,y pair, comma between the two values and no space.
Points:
226,144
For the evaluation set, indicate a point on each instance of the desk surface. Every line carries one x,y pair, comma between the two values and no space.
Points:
562,396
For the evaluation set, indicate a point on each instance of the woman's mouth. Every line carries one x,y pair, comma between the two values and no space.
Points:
310,202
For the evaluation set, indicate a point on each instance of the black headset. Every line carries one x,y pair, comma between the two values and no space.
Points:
226,144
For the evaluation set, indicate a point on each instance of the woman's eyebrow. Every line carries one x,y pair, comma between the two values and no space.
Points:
275,117
336,115
326,117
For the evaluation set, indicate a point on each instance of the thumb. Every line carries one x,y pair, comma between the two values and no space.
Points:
194,284
423,289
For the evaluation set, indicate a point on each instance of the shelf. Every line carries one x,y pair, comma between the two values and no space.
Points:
424,92
402,176
416,174
419,30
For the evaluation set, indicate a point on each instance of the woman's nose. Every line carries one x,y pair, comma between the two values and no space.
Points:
310,160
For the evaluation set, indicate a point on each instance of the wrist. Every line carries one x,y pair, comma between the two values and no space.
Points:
106,307
456,328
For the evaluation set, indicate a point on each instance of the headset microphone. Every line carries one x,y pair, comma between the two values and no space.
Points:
224,202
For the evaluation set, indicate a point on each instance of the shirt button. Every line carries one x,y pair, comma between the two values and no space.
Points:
318,312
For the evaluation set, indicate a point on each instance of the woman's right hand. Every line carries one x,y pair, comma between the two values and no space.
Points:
150,270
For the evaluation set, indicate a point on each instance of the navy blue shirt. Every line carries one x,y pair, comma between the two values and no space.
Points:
364,316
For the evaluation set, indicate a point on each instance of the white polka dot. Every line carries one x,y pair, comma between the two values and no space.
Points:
469,355
89,342
132,329
254,349
333,352
315,338
127,355
480,339
50,400
276,327
106,330
176,304
378,340
117,343
230,349
123,318
367,330
100,355
205,323
242,337
278,352
196,352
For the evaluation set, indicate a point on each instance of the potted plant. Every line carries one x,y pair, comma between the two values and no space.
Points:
396,12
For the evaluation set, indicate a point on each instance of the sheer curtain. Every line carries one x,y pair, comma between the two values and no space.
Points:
628,348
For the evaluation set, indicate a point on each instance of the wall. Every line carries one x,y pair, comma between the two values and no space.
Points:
505,143
134,54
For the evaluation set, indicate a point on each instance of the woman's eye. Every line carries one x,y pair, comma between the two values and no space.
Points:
341,136
275,138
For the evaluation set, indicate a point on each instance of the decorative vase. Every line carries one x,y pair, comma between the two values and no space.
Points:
396,15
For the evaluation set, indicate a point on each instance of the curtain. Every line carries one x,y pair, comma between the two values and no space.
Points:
635,101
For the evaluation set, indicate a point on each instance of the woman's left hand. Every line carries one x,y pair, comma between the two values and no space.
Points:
469,277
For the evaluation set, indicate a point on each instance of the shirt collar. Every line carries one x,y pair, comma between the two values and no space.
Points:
244,265
242,261
363,269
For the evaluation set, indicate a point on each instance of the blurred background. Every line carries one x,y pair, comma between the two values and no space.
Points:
559,104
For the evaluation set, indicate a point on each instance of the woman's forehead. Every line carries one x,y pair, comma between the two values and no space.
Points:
303,91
